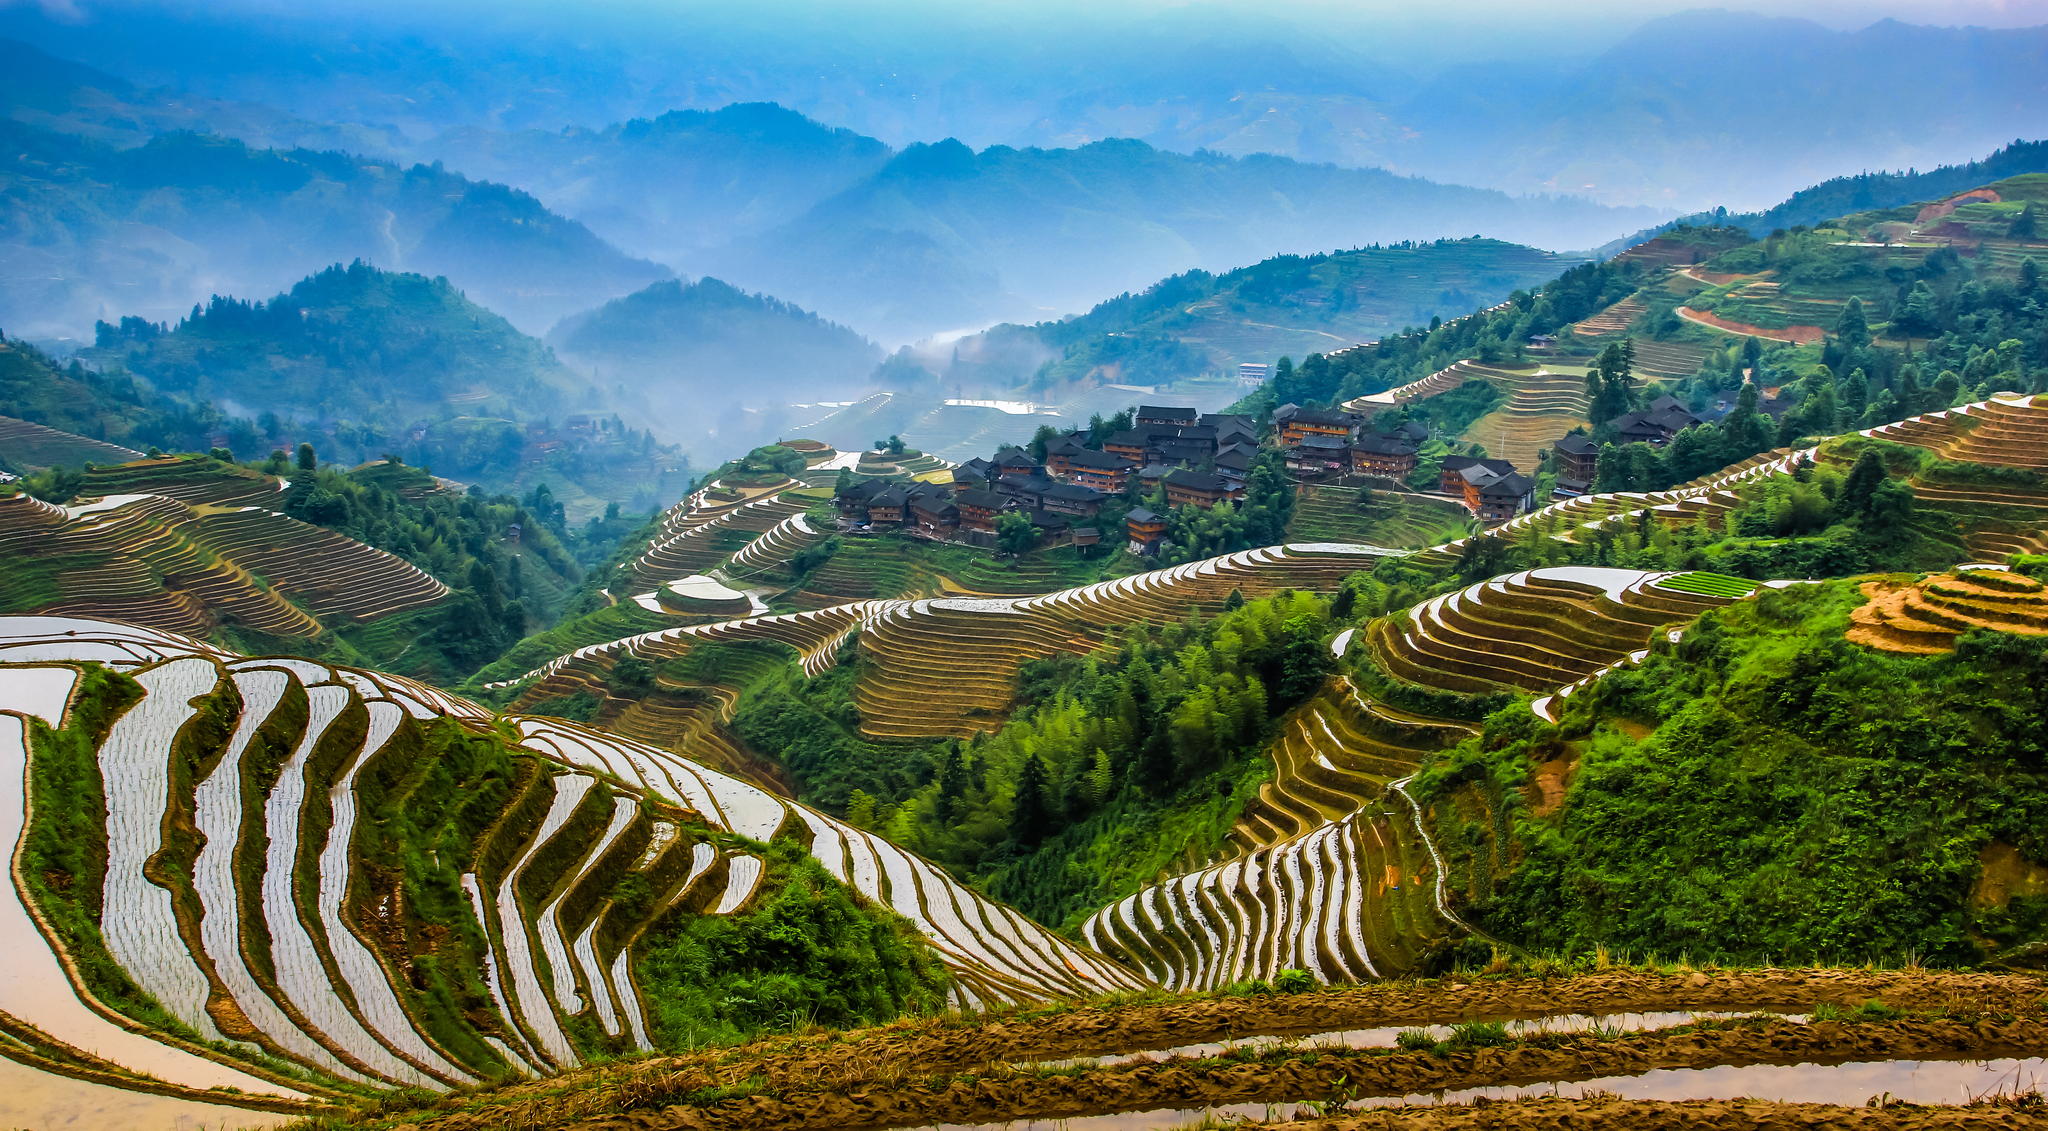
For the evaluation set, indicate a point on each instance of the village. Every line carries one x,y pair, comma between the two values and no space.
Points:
1115,481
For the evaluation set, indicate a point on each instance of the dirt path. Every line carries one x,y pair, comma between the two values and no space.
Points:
870,1069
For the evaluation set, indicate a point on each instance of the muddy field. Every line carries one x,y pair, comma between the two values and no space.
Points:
967,1071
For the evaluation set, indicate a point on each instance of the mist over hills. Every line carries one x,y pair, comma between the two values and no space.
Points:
943,237
1681,111
693,355
95,232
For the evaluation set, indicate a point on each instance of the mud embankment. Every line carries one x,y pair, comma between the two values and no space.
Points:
964,1070
1014,1094
1692,1115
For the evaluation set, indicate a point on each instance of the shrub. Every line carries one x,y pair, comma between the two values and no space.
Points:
1294,982
1478,1034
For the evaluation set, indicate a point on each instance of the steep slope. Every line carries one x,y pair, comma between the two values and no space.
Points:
150,231
349,344
1197,324
365,362
366,882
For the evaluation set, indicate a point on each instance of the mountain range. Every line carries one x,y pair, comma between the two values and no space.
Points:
1679,111
96,232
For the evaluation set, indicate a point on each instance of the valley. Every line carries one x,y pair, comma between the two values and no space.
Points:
521,641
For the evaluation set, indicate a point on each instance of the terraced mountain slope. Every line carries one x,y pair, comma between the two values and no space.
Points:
28,446
1332,870
907,644
194,567
1928,615
1616,1048
357,880
1544,403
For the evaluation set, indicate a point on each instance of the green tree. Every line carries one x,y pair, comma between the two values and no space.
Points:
1030,816
1851,326
1014,533
308,462
2026,225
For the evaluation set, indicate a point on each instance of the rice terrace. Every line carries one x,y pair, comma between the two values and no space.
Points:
905,567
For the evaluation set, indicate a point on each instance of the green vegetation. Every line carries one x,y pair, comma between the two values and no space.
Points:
111,407
1711,584
1113,767
1763,790
64,848
383,362
1196,323
805,952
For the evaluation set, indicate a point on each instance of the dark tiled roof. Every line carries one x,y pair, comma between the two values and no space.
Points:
1074,492
1323,443
1511,486
1141,515
1385,445
1460,463
1577,444
1319,416
986,500
1097,461
1196,481
1157,412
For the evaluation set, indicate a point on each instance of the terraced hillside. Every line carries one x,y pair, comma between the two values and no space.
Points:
906,644
284,843
1928,615
1330,870
1544,403
27,446
157,561
1533,630
2008,430
1623,1048
1395,519
191,479
1794,287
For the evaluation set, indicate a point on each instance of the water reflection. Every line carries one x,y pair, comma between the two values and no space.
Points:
1908,1081
34,1100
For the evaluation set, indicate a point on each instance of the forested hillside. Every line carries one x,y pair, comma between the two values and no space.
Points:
98,232
365,362
1199,324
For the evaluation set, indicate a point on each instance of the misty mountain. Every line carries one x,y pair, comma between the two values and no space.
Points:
1717,107
41,90
693,354
671,186
943,237
1684,111
94,232
348,345
363,362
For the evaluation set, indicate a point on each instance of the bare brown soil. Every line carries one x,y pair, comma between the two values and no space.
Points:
942,1070
1797,335
1553,1114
